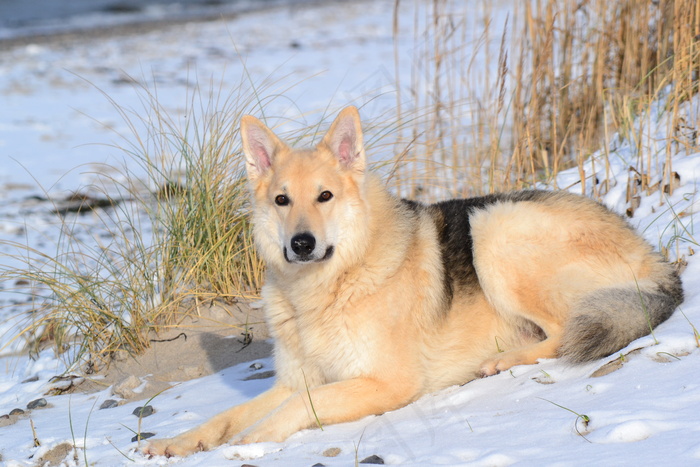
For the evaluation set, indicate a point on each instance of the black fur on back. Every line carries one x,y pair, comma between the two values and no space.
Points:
452,220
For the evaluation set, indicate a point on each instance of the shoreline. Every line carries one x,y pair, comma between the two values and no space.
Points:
145,26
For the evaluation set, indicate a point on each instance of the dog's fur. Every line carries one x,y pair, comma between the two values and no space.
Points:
374,301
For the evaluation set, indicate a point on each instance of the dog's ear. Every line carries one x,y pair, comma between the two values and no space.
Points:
259,146
344,139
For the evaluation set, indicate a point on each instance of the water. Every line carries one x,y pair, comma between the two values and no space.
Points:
24,18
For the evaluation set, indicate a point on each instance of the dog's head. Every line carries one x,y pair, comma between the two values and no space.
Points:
306,202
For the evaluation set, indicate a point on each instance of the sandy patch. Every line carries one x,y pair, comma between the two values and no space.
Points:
211,338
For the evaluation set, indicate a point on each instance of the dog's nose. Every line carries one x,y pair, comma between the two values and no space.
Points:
303,244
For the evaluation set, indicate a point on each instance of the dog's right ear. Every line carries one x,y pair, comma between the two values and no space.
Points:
260,145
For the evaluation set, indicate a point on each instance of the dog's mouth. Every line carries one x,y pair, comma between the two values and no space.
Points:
303,258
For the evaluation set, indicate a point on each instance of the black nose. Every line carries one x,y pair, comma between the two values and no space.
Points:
303,244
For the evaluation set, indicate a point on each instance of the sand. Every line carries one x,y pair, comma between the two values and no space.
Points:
205,340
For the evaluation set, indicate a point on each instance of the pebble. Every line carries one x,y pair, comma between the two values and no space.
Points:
331,452
144,435
373,459
38,403
261,375
144,412
109,404
16,412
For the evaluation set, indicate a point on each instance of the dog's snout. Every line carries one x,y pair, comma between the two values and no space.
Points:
303,244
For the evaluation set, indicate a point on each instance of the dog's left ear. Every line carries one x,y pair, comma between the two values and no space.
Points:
344,139
260,145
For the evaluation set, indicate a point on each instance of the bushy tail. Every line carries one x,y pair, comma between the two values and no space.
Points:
609,319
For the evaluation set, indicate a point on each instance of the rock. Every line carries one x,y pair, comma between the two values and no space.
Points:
256,366
145,411
109,404
125,387
373,459
82,203
37,404
62,384
144,435
331,452
613,365
261,375
16,412
543,379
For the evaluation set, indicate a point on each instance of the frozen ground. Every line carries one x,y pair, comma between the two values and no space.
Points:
54,119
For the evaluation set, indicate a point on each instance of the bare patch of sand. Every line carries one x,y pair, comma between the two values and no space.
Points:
205,340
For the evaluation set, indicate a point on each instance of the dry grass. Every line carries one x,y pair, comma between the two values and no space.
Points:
197,196
178,229
560,78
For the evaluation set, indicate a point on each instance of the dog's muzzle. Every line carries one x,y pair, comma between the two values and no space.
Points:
304,249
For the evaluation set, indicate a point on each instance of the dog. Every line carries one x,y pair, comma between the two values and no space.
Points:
375,301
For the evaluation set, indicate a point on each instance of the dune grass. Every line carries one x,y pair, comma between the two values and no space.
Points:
178,228
561,78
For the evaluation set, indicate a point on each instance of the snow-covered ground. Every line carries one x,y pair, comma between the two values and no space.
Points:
56,128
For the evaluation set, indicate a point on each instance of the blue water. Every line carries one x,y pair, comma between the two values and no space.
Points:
20,18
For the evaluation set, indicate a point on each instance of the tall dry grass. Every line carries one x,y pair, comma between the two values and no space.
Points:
197,191
560,77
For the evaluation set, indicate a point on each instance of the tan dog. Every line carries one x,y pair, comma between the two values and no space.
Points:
375,301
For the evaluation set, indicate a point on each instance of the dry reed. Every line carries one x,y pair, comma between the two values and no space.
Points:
559,76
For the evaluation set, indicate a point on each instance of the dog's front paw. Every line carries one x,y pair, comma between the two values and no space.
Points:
171,447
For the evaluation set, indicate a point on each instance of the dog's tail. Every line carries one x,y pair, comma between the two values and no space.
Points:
609,319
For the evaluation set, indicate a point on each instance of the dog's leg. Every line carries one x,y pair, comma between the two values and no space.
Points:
528,273
220,428
338,402
526,355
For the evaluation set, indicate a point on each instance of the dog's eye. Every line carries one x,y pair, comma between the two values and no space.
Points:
325,196
281,200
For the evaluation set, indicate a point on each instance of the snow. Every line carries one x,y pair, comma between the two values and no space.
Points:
57,127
